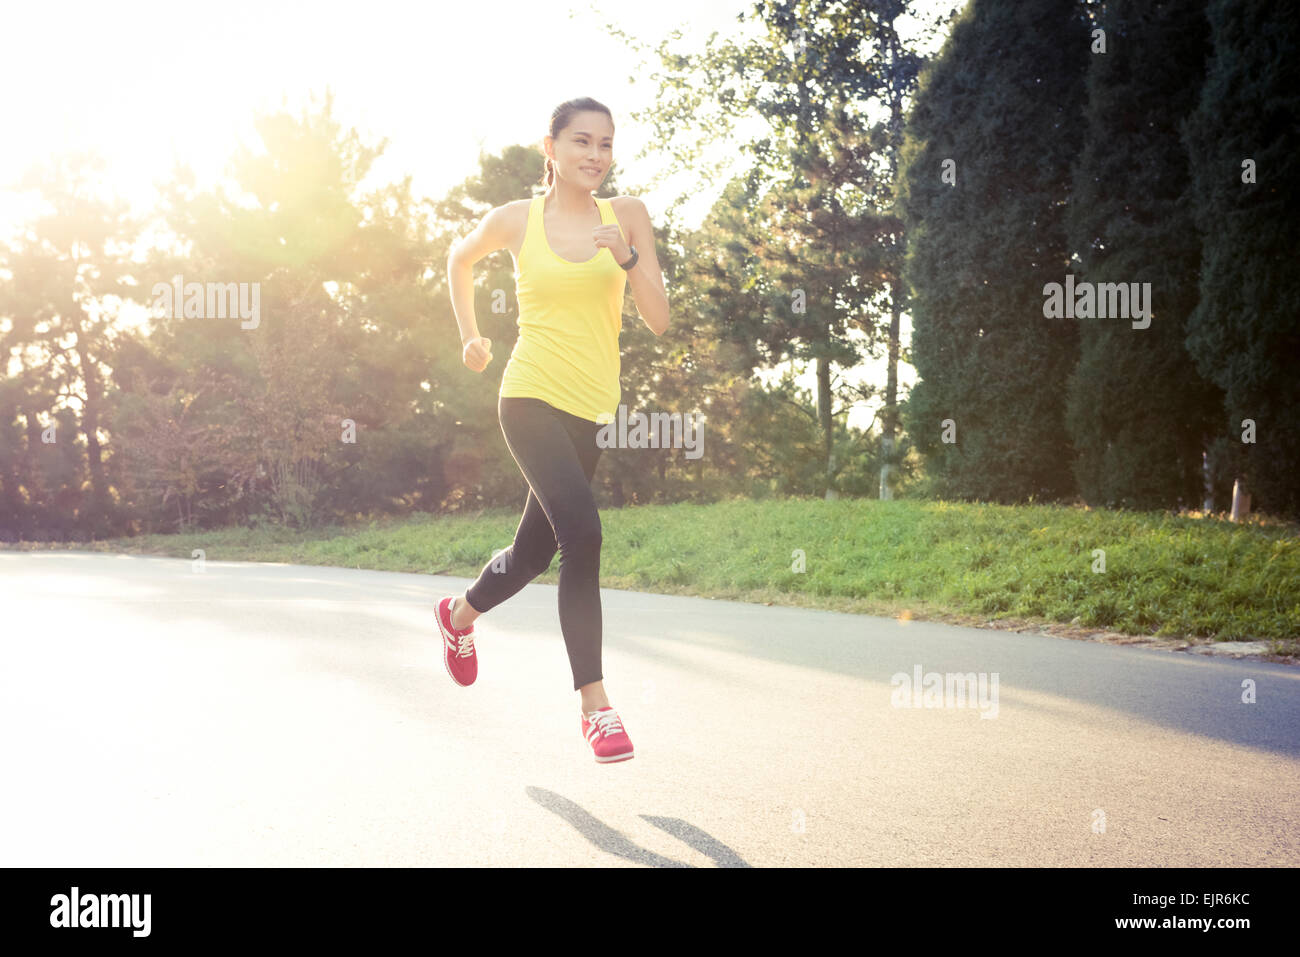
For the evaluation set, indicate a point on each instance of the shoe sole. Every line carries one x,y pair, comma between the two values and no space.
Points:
445,663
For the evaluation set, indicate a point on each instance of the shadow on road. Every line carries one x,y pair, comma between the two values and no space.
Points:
607,839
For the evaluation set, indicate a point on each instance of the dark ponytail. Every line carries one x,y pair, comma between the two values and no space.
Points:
560,118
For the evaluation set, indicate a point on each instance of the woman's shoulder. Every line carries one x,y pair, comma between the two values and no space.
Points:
515,212
629,209
508,214
626,202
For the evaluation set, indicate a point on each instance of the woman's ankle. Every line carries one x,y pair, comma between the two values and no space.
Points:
459,618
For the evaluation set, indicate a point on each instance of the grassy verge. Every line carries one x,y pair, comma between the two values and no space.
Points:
976,564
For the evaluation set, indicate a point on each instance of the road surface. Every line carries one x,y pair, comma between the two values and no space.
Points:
281,715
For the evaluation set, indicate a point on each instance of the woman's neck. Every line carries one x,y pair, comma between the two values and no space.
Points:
569,200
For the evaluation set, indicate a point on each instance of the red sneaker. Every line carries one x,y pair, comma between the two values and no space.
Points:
457,647
604,732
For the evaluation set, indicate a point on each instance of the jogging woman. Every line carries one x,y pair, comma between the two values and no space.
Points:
574,256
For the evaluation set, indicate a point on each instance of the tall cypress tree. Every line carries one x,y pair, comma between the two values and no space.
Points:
1138,412
1245,331
1003,101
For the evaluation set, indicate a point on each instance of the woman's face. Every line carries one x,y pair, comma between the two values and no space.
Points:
584,150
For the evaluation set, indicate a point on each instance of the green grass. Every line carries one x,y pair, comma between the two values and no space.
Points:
1165,575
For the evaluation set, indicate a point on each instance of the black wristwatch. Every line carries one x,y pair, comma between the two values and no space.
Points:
631,262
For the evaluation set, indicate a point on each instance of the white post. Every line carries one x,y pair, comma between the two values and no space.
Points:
1240,501
886,450
1209,485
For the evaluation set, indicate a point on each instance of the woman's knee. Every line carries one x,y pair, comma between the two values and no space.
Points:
533,561
581,534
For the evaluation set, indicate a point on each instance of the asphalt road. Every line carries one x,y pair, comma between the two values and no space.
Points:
277,715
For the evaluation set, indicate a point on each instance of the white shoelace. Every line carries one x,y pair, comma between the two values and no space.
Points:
606,721
464,643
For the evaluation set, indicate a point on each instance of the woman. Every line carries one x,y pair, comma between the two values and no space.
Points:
573,261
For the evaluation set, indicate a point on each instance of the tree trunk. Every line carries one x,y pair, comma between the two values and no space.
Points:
826,422
890,420
890,423
33,477
90,423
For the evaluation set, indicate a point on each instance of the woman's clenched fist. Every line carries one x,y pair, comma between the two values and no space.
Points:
477,353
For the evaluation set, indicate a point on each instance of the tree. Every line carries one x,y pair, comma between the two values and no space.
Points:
984,188
809,247
308,405
1244,332
1138,413
69,274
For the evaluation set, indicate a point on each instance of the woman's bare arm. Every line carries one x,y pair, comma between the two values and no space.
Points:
493,233
646,278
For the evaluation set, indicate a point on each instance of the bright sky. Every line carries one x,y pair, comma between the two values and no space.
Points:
148,83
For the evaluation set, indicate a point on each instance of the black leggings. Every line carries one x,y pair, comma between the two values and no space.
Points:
557,453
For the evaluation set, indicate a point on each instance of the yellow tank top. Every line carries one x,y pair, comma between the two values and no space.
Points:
570,317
